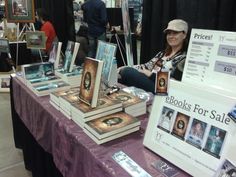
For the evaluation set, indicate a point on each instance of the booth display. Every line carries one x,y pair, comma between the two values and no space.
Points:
190,128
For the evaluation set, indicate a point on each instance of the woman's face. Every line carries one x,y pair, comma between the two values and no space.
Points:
174,38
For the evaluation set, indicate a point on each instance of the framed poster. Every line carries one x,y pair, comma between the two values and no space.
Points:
4,82
211,60
190,128
35,40
20,11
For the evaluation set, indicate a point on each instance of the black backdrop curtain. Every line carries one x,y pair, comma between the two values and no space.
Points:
61,15
204,14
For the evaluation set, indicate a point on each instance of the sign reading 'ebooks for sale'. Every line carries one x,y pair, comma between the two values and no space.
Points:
190,128
211,59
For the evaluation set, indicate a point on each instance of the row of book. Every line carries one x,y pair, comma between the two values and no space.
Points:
42,79
113,117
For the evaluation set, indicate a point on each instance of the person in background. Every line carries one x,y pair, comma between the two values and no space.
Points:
43,17
95,15
143,76
82,38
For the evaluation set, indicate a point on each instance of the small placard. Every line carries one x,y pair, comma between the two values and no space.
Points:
129,165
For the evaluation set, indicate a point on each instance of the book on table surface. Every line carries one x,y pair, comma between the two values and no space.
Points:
112,137
47,88
54,96
46,79
127,99
74,74
38,71
111,124
90,82
104,104
65,101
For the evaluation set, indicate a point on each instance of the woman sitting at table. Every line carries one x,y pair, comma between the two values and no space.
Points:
172,59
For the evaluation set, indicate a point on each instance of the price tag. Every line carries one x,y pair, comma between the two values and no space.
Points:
226,68
227,51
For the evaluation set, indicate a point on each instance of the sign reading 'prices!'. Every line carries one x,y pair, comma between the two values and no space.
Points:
211,59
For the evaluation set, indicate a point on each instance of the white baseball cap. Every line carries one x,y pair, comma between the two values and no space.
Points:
177,25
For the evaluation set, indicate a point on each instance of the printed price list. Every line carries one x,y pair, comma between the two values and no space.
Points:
198,62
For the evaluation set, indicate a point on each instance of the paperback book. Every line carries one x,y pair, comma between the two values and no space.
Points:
39,73
90,82
106,52
70,55
54,55
105,106
73,77
46,88
65,101
55,96
131,104
112,126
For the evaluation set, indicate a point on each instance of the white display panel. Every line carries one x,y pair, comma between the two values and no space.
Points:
211,59
197,149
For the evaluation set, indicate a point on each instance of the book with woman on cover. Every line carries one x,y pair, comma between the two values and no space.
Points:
111,124
104,104
90,82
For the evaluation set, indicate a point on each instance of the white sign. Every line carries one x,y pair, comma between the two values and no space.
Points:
211,59
190,128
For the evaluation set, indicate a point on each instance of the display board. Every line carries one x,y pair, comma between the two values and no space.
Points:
211,59
190,128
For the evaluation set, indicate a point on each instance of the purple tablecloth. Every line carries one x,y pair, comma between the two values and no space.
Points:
74,153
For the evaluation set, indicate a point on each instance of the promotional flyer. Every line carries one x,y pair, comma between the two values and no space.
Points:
190,128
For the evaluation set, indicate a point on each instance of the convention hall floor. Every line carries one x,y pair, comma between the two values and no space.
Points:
11,160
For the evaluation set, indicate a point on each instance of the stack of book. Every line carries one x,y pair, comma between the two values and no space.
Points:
43,89
82,112
66,101
132,105
41,79
111,127
54,96
73,78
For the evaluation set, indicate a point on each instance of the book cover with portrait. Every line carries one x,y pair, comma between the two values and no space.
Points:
103,104
162,82
196,133
90,82
227,168
215,141
126,98
111,124
166,119
180,125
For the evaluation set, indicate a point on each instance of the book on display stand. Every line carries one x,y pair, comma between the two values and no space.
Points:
90,82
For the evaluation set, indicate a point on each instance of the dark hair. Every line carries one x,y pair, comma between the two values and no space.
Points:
42,13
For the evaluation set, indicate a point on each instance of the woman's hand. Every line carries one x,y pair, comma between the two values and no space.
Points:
147,72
